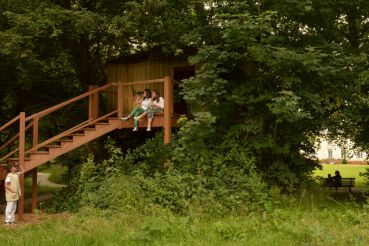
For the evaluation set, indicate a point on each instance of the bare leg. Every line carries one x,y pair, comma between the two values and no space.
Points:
149,121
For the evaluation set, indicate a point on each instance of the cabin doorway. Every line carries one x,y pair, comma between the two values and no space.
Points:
179,74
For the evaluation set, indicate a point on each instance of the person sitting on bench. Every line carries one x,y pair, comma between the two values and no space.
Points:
337,179
157,106
330,181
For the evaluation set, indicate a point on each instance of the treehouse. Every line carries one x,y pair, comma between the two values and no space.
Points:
31,146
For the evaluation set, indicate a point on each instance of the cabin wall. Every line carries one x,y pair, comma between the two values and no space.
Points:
140,71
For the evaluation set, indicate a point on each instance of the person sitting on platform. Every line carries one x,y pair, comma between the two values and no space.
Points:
156,106
144,104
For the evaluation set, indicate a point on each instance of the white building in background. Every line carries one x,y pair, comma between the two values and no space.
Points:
333,152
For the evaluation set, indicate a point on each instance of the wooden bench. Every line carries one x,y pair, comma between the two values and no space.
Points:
345,182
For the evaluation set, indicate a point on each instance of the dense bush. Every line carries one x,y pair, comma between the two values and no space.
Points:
136,182
226,192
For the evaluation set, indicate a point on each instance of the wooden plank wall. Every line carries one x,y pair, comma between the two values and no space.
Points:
140,71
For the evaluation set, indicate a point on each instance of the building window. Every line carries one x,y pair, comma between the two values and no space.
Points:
330,153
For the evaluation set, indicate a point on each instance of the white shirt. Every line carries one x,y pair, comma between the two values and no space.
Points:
7,179
160,103
145,103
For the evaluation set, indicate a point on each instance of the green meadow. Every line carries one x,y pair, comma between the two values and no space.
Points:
305,221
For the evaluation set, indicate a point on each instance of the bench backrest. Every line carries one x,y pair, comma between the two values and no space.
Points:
348,181
344,182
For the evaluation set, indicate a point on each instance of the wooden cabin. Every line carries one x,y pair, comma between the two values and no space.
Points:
143,68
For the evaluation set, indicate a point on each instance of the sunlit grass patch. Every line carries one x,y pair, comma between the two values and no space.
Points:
346,171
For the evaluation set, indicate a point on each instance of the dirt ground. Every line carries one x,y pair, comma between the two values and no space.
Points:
29,219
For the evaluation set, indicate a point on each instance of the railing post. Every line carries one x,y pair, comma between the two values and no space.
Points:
22,129
95,101
35,133
120,103
91,103
168,104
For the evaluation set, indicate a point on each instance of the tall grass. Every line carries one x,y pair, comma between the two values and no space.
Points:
305,220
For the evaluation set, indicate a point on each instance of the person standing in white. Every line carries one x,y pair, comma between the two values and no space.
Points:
12,194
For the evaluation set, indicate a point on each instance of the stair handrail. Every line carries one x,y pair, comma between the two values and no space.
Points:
15,137
69,131
9,123
9,154
65,103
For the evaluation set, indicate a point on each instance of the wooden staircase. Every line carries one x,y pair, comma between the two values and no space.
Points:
68,143
94,127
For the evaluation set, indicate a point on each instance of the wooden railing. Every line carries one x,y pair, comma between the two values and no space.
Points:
93,117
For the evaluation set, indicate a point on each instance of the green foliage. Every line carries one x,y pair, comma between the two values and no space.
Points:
267,85
148,158
270,77
136,183
151,230
235,193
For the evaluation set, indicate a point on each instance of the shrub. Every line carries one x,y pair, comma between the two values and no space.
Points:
137,183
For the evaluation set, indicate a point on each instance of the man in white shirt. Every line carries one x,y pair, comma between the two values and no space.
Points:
12,194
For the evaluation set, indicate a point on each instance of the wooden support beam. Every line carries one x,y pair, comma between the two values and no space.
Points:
93,111
95,102
91,103
35,133
22,142
34,189
120,103
168,105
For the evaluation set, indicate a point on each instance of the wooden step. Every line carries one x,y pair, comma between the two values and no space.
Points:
17,159
52,146
102,123
89,129
76,134
40,152
64,140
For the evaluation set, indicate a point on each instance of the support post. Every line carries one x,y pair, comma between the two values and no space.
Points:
93,111
34,171
168,104
34,189
22,129
120,103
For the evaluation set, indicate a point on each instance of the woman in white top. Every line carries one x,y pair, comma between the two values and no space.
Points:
145,102
156,106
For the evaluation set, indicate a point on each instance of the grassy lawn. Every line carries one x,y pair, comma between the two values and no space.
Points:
347,171
294,224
